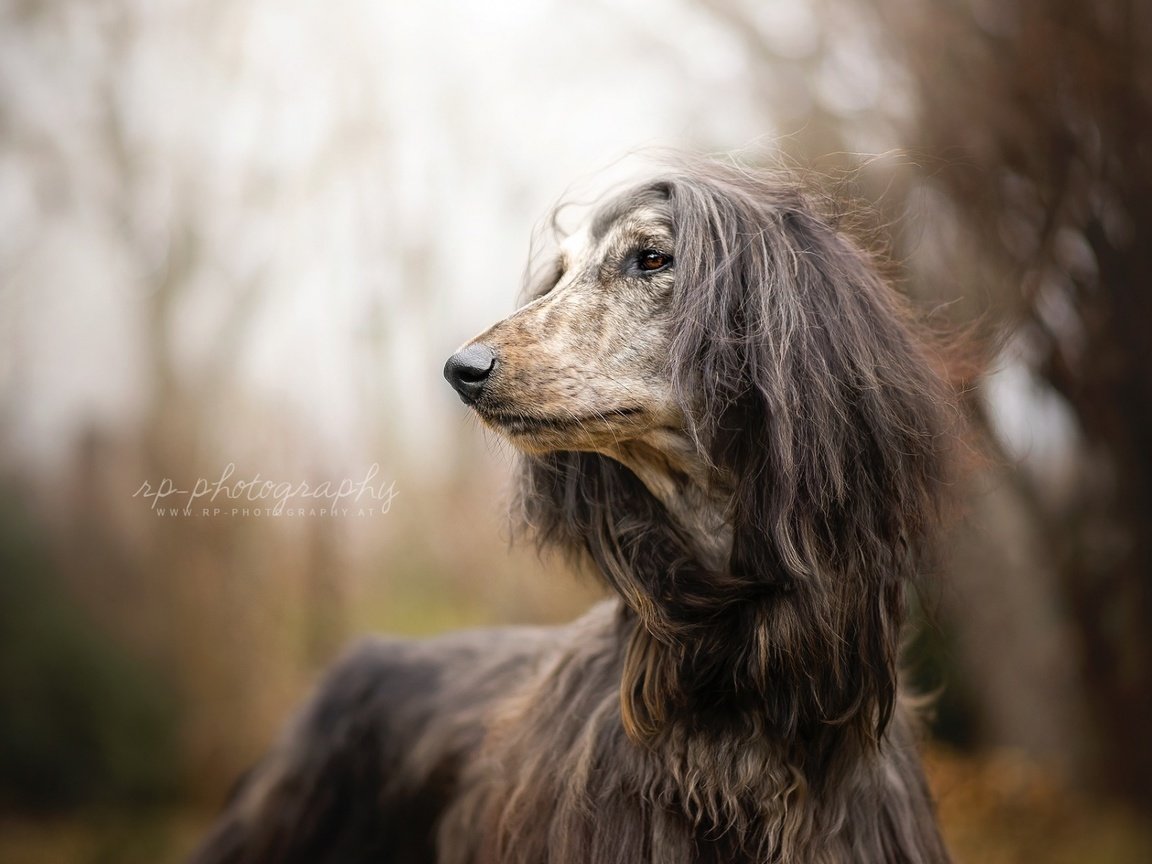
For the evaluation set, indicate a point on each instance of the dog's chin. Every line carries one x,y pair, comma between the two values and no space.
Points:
537,432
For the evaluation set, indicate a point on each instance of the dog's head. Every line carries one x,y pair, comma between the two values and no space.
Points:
584,365
716,320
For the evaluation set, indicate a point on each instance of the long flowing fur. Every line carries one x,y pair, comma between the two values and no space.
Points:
738,713
798,365
803,372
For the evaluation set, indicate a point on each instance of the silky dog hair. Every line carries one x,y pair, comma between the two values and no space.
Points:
749,444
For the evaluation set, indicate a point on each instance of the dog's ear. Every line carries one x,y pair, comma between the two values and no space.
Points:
822,408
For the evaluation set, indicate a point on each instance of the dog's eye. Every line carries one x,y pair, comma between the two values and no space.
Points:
649,260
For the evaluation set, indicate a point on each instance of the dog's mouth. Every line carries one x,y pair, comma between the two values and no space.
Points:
512,423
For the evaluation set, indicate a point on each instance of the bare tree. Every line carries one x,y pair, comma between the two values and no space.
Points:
1040,115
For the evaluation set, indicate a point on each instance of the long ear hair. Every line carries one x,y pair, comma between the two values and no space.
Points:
807,387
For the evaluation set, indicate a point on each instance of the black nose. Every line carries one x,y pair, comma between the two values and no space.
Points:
468,369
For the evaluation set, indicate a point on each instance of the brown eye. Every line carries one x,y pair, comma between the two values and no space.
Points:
649,260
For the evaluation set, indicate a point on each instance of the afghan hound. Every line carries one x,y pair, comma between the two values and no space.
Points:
725,410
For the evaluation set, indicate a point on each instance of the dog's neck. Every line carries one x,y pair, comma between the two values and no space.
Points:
669,465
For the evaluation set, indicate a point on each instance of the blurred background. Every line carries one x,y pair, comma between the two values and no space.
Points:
248,233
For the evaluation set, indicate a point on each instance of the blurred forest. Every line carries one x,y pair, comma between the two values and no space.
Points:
247,233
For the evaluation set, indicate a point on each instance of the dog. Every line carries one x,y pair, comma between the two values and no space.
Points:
728,414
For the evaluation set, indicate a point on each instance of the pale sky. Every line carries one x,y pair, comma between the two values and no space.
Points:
368,174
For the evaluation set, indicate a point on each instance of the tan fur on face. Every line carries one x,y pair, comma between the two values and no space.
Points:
584,366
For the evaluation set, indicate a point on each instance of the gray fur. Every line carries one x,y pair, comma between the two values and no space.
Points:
750,447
